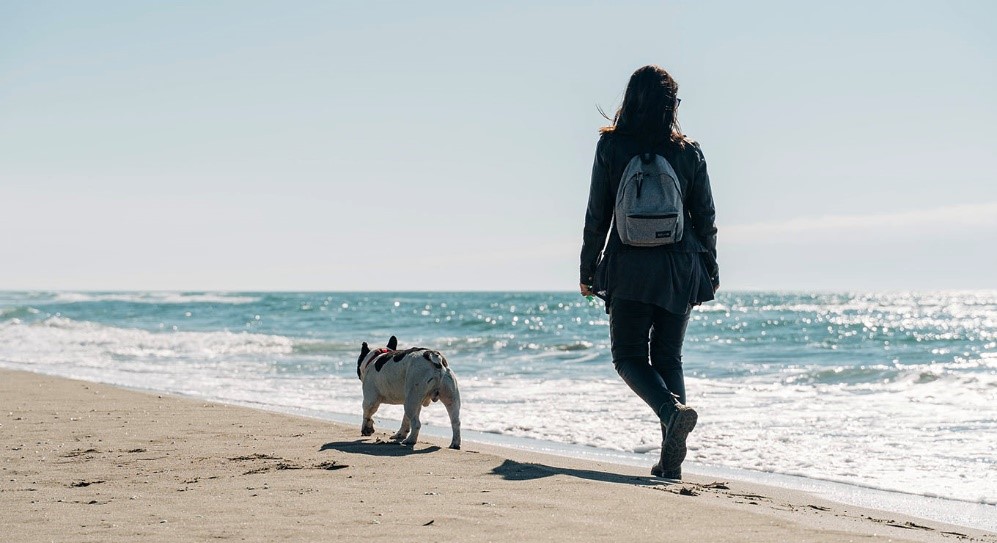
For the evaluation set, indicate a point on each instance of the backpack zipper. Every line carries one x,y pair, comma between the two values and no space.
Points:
654,216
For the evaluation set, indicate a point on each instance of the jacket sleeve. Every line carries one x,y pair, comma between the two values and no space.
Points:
598,216
703,215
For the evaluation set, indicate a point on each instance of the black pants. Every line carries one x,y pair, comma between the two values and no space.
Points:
647,352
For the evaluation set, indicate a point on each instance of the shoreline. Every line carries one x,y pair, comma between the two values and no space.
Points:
94,461
952,511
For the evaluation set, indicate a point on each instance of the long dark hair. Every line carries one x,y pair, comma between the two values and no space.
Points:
648,109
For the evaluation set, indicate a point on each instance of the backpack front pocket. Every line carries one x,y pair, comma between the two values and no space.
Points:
652,229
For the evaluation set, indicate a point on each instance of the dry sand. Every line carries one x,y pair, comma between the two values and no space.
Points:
89,462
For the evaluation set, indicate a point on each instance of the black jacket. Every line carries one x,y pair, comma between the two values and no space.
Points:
668,275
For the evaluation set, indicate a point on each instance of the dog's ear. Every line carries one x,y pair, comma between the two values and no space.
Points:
393,343
364,351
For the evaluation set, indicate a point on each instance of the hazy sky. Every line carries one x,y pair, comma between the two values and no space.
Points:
448,145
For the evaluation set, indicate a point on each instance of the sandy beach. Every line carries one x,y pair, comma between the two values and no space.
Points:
89,462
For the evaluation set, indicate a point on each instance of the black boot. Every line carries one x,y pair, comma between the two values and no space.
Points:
657,470
680,421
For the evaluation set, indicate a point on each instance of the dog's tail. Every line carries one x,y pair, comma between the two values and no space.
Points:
446,386
443,376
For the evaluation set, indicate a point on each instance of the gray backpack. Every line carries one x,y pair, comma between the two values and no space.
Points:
649,209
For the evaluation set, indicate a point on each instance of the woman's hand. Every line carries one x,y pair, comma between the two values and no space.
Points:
585,289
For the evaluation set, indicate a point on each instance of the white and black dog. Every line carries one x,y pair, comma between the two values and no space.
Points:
412,377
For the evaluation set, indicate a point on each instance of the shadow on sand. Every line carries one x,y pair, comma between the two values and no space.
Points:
511,470
376,448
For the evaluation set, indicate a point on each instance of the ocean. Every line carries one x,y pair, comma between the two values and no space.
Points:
895,391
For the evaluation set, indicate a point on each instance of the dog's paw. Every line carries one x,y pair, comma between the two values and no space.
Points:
366,431
398,437
455,446
408,443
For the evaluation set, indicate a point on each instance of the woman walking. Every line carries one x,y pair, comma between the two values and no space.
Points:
659,261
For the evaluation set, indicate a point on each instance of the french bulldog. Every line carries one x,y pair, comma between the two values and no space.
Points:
412,377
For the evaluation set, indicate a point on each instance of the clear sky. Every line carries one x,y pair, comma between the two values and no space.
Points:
448,145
